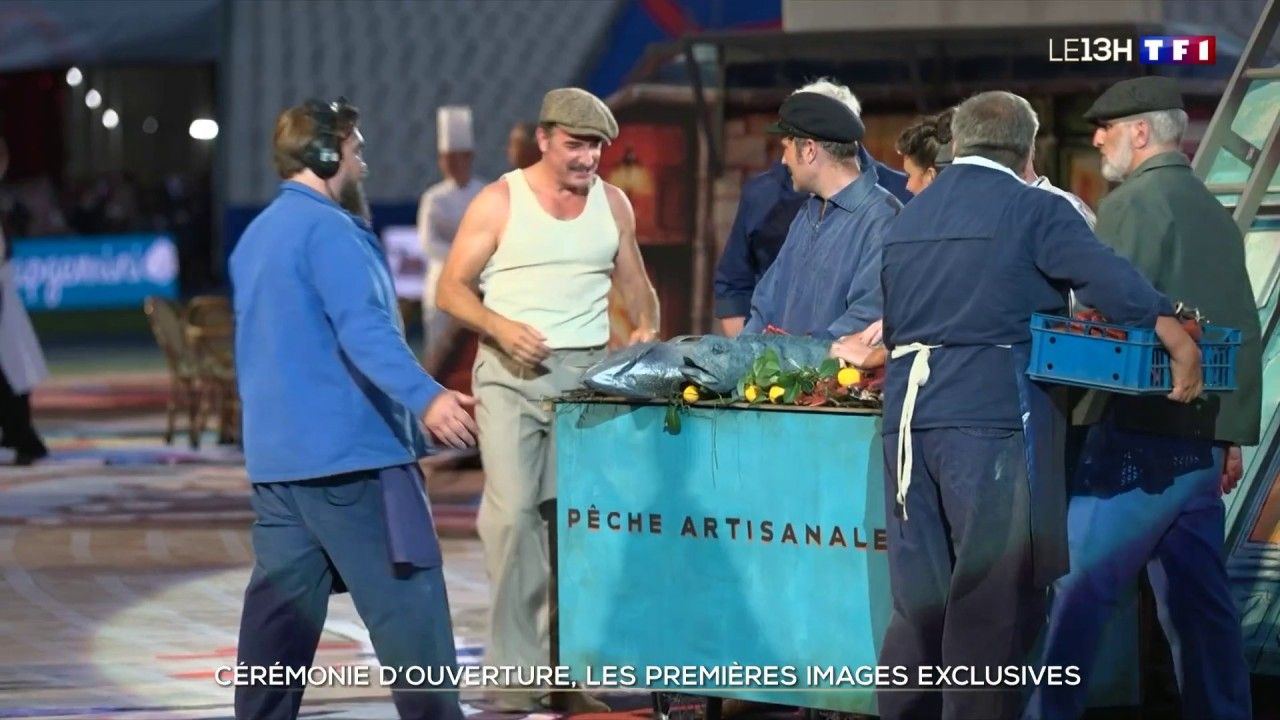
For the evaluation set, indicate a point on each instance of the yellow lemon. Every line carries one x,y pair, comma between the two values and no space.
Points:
848,376
752,393
775,393
690,393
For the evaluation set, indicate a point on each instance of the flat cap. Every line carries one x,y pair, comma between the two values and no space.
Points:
1134,97
578,112
816,116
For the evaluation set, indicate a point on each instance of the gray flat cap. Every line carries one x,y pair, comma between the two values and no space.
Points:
1134,97
578,112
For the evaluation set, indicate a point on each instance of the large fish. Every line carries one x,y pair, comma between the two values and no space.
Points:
717,363
713,362
644,371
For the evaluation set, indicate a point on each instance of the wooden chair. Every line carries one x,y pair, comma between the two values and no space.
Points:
165,318
210,311
210,330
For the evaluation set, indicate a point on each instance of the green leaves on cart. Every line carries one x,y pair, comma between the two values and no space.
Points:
672,421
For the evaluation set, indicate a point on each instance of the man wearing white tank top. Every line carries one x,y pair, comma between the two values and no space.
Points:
530,270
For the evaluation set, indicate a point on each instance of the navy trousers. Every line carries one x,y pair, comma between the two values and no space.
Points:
961,571
308,533
1176,533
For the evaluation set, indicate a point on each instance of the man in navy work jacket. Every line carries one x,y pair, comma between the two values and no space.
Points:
975,494
826,281
768,205
332,398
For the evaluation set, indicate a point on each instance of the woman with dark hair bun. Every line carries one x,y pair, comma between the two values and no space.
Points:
919,146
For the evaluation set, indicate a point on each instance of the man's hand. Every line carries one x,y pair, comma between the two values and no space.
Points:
522,342
1188,376
642,335
853,350
448,421
732,326
1232,469
877,359
873,334
1184,360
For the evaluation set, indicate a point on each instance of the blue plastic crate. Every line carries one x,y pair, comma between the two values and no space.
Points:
1135,365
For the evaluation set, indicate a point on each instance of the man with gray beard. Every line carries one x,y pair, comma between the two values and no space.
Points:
1148,486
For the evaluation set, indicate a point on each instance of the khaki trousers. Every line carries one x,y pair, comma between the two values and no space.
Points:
519,490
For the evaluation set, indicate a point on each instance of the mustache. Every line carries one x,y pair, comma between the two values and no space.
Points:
582,168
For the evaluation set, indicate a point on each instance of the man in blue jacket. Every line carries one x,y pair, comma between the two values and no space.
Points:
768,205
332,399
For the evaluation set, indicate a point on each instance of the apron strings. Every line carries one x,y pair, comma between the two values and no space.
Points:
917,377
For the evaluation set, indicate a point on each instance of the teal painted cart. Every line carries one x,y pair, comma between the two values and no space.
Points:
752,536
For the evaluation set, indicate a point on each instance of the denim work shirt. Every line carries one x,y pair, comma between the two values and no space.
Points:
769,203
826,281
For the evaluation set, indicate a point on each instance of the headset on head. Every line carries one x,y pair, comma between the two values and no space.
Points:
323,154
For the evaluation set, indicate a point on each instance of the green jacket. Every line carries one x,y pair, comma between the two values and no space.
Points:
1164,220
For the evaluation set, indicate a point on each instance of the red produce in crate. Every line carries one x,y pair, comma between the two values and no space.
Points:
1093,316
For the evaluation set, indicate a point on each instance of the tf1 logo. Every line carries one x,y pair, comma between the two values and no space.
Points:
1178,50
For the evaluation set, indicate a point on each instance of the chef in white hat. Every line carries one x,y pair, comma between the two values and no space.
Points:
439,213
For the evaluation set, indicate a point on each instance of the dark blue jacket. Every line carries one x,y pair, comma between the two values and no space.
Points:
966,264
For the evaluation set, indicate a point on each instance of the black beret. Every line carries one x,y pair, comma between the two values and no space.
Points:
1134,97
816,116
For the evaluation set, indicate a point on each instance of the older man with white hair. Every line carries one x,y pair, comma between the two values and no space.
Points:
1147,491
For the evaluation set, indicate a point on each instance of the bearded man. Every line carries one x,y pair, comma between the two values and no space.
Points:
1147,490
332,399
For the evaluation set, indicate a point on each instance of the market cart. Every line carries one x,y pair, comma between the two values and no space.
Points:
753,535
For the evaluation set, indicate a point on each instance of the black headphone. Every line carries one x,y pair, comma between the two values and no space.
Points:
323,154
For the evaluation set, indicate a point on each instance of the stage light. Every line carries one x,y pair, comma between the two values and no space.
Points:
110,119
203,129
74,77
92,99
150,125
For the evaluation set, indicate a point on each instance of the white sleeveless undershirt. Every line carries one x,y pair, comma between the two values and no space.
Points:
554,274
